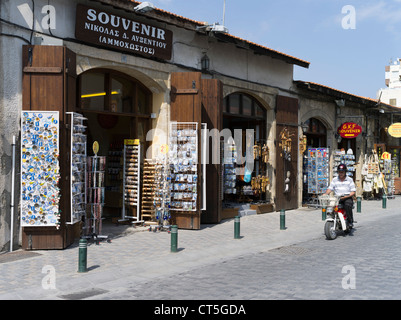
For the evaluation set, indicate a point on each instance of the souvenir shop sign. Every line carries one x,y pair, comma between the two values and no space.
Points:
40,171
101,28
395,130
349,130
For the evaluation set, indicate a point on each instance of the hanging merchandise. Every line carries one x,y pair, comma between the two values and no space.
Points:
183,154
388,177
229,161
318,170
340,157
77,167
374,180
257,151
286,144
260,184
162,179
131,181
40,170
265,154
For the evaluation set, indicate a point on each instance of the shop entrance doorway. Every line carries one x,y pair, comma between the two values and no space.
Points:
117,107
244,184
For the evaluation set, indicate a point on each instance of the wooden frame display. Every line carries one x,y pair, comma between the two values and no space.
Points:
40,169
183,156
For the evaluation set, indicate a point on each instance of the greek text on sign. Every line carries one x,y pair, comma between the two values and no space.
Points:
349,130
105,29
395,130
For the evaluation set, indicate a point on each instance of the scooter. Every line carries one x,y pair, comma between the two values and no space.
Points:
336,220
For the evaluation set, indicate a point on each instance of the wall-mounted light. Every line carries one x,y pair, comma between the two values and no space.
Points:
381,110
304,127
205,63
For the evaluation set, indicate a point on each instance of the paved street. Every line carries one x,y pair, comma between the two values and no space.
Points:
266,263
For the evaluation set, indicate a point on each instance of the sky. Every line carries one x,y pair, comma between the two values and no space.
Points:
348,43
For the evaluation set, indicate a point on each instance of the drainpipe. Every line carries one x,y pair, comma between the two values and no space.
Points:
12,196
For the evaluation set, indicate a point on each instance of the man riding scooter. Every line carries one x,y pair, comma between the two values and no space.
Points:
344,186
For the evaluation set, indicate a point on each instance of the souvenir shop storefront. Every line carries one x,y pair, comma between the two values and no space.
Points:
98,141
135,139
334,125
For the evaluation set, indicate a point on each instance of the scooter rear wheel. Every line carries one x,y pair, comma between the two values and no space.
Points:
329,231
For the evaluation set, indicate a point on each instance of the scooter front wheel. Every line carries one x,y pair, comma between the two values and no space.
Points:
329,230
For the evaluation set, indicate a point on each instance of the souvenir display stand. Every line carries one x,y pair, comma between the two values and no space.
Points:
230,173
318,170
183,155
318,173
388,177
131,181
348,159
40,169
373,182
95,177
148,192
77,168
162,196
114,178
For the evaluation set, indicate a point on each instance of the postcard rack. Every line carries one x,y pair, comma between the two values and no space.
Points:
131,181
77,167
183,154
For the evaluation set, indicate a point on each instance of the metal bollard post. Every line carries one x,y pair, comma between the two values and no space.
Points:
174,238
282,219
359,204
324,213
384,201
82,258
237,227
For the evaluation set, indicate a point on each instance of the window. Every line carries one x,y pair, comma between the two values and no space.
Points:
111,91
239,104
93,91
112,95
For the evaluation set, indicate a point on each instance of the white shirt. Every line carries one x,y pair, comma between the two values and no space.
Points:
342,187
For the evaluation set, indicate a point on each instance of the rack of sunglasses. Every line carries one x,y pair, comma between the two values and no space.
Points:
131,181
183,154
95,196
40,171
77,167
148,191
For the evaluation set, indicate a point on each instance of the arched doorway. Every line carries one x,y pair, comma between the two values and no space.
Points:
117,107
242,113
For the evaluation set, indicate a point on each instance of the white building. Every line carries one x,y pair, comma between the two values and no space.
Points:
392,94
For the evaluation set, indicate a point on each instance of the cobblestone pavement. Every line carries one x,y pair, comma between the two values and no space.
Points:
266,263
308,270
